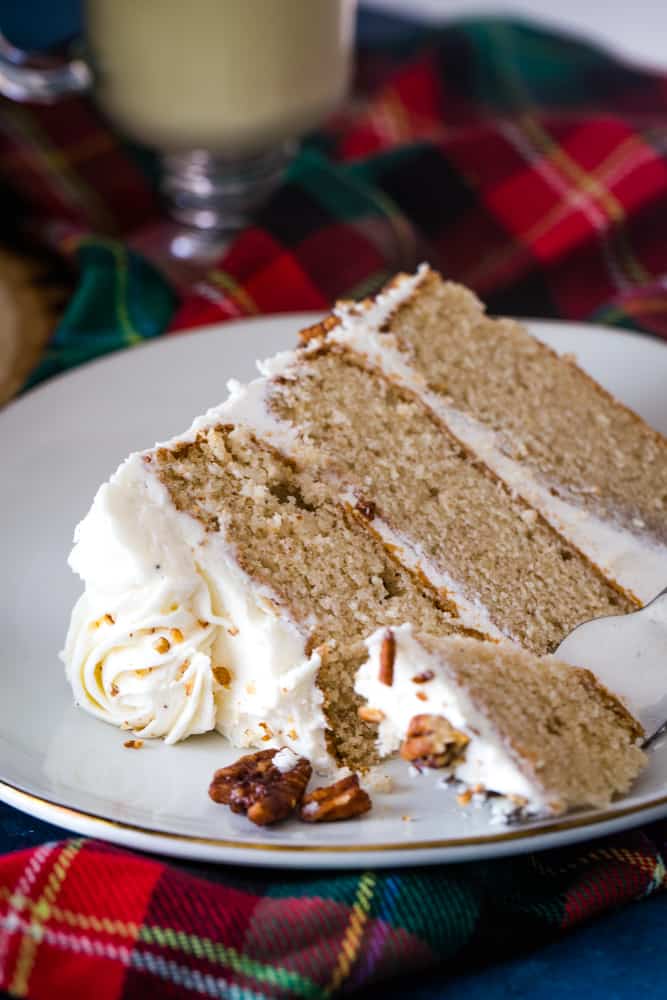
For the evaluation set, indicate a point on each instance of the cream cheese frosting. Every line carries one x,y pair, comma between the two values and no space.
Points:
171,638
487,761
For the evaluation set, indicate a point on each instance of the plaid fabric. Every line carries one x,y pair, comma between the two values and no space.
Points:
81,919
529,166
525,164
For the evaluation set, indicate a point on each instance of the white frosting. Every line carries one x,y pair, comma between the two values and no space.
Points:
487,760
148,570
637,562
374,315
285,760
141,585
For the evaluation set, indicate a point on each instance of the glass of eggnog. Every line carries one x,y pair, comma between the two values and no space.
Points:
221,88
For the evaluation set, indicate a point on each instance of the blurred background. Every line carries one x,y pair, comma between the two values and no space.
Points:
518,146
635,31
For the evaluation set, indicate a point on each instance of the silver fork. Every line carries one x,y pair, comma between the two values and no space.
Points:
628,654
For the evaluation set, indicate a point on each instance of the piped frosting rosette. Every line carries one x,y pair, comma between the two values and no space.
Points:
146,665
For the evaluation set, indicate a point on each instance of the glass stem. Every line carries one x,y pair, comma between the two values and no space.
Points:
209,191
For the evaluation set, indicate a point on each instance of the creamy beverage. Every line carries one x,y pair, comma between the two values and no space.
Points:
229,76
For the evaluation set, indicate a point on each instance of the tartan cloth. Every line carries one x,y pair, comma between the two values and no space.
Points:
525,164
82,919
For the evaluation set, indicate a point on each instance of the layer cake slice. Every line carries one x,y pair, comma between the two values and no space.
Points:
232,574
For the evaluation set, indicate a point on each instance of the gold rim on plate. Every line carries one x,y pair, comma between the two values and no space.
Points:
424,845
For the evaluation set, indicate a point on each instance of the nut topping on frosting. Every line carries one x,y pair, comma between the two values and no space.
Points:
387,657
256,787
433,742
222,675
342,800
368,714
424,677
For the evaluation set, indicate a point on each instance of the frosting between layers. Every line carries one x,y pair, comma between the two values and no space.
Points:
487,761
471,613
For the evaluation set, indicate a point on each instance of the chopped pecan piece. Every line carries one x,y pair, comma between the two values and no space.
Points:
256,787
433,742
222,675
387,657
366,508
368,714
424,677
342,800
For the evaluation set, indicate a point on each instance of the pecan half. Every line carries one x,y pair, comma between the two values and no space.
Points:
433,742
256,787
387,657
342,800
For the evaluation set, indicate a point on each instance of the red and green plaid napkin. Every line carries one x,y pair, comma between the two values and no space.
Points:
527,165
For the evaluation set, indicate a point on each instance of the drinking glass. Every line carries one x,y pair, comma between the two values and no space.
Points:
222,89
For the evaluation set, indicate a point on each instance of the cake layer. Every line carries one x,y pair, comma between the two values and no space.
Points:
590,466
506,570
501,720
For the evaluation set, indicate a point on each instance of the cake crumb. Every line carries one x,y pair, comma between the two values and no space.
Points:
379,781
133,744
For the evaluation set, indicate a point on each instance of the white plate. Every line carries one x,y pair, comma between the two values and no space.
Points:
57,444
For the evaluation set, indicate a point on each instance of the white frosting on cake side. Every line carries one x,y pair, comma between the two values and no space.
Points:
487,761
171,638
636,562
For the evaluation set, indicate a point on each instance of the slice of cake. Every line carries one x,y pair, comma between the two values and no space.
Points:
498,719
232,574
